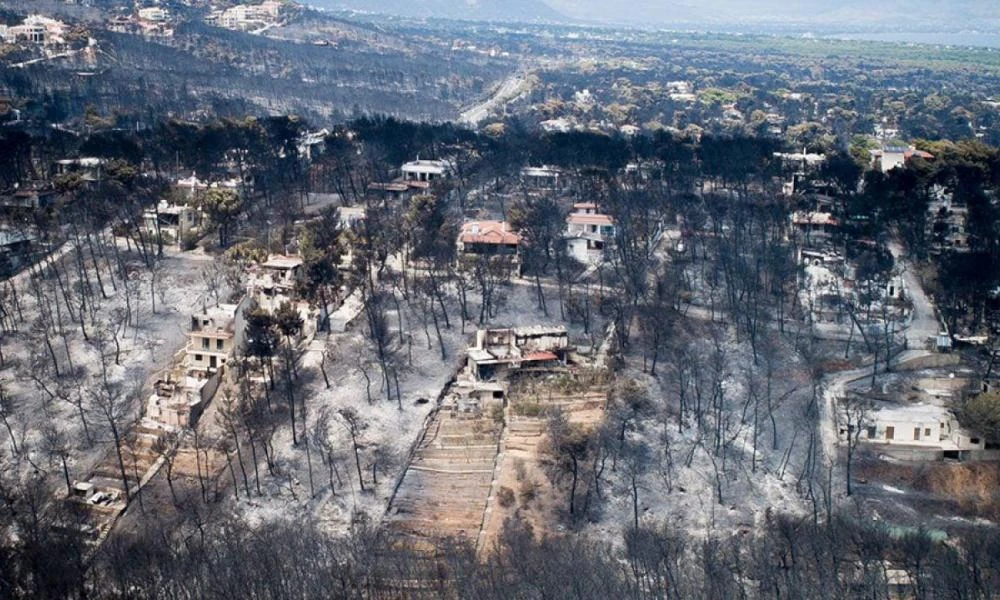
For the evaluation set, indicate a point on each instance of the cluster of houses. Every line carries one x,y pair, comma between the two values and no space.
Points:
150,21
492,50
588,235
248,17
19,239
217,334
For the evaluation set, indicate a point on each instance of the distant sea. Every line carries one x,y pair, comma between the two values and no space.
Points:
969,38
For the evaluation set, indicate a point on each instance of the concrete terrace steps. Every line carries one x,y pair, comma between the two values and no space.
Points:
444,490
457,453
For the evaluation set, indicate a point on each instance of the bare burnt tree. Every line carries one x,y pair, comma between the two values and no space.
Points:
636,460
854,417
355,426
568,448
57,447
490,275
320,436
114,405
228,418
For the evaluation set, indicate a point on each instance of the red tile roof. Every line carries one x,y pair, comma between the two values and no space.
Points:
920,153
598,219
488,232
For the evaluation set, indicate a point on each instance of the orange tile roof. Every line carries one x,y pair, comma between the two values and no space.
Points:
597,219
488,232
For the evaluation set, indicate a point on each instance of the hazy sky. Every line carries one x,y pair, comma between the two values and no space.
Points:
978,14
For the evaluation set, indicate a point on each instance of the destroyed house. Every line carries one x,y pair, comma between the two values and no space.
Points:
16,250
276,281
179,400
543,177
172,222
498,351
216,334
88,168
814,223
32,198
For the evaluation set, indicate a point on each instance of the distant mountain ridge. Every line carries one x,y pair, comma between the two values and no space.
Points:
472,10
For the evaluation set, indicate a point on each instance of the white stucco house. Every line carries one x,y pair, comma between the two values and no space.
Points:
918,431
427,170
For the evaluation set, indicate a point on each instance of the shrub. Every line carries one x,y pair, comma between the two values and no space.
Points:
189,241
505,496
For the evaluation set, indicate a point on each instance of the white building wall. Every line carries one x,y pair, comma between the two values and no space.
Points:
914,432
891,160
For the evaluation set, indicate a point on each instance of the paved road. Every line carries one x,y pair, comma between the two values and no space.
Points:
924,323
91,45
504,93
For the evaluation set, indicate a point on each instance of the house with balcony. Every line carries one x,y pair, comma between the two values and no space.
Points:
216,334
589,233
171,223
37,29
427,170
275,281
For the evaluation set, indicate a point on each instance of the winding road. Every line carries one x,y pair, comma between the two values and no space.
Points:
505,92
923,325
